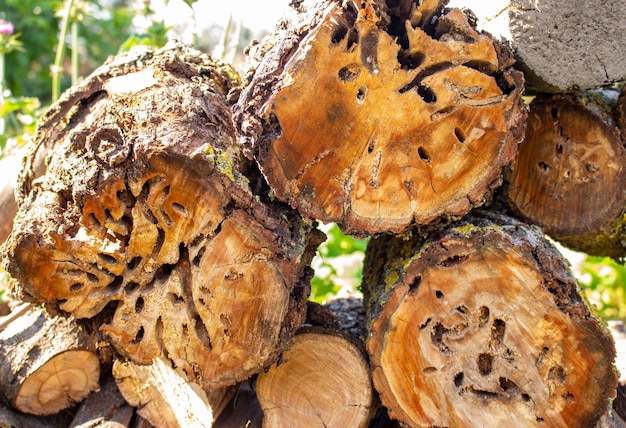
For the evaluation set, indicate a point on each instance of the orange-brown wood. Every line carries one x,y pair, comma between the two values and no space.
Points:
484,326
47,364
570,175
374,125
322,380
145,221
166,398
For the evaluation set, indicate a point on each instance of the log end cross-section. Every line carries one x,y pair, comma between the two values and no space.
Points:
570,175
376,117
47,364
145,220
484,326
322,380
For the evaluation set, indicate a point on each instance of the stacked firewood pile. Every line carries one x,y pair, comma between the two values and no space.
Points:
165,227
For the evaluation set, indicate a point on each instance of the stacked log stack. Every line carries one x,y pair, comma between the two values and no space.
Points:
168,235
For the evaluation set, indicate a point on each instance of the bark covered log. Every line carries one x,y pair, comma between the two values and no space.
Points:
47,364
484,325
560,46
322,380
145,221
104,408
166,398
374,117
570,175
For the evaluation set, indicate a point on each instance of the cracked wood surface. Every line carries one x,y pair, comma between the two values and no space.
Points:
47,364
375,117
570,175
166,398
483,325
144,221
322,380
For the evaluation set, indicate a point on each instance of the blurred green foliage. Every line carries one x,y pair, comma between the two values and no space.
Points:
604,283
103,27
20,115
155,35
332,264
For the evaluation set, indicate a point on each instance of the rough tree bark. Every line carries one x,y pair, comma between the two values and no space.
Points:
483,325
374,117
145,221
570,175
560,46
47,364
104,408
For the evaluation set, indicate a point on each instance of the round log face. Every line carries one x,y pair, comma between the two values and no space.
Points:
322,380
66,379
373,133
570,175
475,335
145,221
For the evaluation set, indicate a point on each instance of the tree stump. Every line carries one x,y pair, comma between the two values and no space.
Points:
484,325
47,364
374,117
145,221
570,175
322,380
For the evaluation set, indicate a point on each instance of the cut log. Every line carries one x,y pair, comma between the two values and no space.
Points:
375,118
484,325
570,175
47,364
560,46
166,398
104,408
322,380
347,315
145,222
